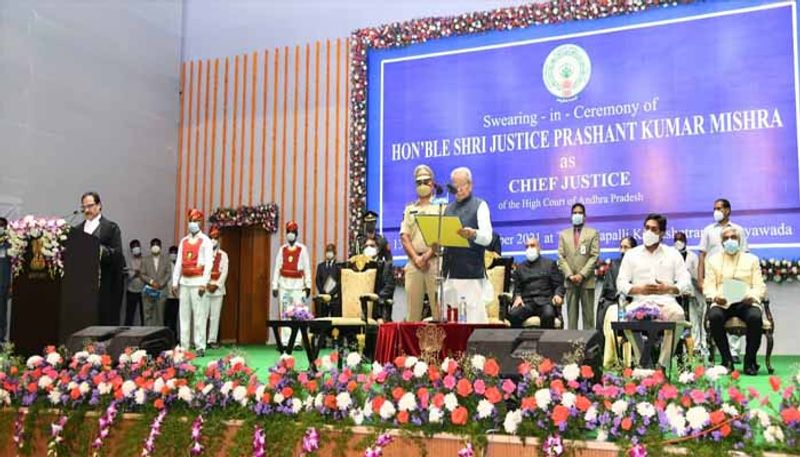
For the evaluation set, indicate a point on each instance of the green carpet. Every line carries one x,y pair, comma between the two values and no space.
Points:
261,358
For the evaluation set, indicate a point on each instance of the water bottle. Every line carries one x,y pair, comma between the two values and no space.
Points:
462,310
620,313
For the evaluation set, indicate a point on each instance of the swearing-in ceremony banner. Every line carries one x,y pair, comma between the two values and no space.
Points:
664,114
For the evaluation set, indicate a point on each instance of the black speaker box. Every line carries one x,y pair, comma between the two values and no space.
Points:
154,340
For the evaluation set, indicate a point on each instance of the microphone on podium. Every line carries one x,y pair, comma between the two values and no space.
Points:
451,188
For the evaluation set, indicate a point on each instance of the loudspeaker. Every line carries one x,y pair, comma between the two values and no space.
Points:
511,346
154,340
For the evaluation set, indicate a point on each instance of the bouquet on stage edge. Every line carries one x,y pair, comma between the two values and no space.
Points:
647,311
297,313
46,238
265,215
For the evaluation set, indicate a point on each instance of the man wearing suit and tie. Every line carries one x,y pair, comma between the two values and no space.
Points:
578,250
156,273
112,261
327,282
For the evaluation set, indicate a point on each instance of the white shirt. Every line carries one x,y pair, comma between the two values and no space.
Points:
484,235
155,261
692,262
711,238
205,259
91,224
303,264
223,273
641,267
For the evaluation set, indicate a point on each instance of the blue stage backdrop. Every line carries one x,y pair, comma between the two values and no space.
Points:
661,112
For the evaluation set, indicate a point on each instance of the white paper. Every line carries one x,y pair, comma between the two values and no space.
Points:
734,290
329,285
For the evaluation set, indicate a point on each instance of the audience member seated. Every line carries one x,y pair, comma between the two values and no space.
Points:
735,265
538,288
327,282
384,283
608,307
655,273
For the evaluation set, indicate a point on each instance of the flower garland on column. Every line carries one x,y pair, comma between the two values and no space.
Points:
155,430
401,34
56,428
105,421
310,441
197,434
259,442
265,215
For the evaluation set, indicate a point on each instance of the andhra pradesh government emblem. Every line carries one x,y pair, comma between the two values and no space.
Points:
566,71
37,257
431,340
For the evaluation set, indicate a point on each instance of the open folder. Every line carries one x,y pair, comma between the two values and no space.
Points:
450,225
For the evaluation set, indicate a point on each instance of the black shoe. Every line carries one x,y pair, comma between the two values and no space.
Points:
737,360
730,366
213,346
751,370
201,353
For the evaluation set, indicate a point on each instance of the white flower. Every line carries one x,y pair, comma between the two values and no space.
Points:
238,360
327,363
485,408
446,363
377,368
763,418
158,385
72,386
185,394
45,381
571,372
420,369
641,373
478,361
357,415
773,434
5,398
387,410
729,409
309,403
512,421
225,389
602,435
408,402
687,377
209,387
34,361
797,378
278,398
297,405
619,408
568,399
128,387
697,417
645,409
411,361
543,398
139,396
80,355
353,359
367,409
54,358
124,359
344,401
435,415
715,372
95,360
450,401
84,388
172,383
138,356
54,396
319,401
591,414
240,395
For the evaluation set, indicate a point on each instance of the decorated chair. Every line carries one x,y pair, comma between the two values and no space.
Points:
498,270
736,326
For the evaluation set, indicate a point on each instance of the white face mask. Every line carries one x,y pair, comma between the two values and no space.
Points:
731,246
329,255
155,249
650,238
194,227
215,244
680,245
370,251
136,251
718,216
291,236
577,219
531,254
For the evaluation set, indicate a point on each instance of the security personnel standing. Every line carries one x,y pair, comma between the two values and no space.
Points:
422,266
368,232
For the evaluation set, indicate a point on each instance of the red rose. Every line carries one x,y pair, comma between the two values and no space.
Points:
717,417
626,423
528,403
582,403
491,368
493,395
397,393
402,417
775,382
560,414
463,387
586,371
459,416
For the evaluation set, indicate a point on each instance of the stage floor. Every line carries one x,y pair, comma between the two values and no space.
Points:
261,357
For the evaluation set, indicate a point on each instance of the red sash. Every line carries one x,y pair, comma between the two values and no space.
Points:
291,260
215,273
191,252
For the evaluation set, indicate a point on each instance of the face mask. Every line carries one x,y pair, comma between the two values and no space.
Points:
173,257
650,238
155,249
291,236
370,251
423,191
136,251
577,219
531,254
680,245
2,231
731,246
718,216
329,255
215,244
194,227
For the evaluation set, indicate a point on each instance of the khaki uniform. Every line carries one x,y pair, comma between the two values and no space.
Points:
418,282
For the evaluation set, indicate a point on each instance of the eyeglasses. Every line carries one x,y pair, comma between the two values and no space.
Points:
85,207
423,182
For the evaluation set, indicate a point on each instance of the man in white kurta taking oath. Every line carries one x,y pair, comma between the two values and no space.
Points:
291,277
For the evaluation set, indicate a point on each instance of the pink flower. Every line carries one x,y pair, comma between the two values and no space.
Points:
407,375
449,382
697,396
479,386
509,387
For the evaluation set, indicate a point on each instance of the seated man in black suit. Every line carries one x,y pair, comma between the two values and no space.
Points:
538,288
329,276
384,283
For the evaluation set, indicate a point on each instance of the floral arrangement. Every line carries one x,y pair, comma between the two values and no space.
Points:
601,267
640,410
297,313
402,34
51,232
647,311
265,215
778,271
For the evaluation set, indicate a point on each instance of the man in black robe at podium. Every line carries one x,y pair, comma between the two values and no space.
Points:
111,259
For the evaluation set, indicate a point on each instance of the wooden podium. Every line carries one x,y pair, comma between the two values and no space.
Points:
46,310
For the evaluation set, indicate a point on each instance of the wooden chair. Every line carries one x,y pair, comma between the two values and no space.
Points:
736,326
